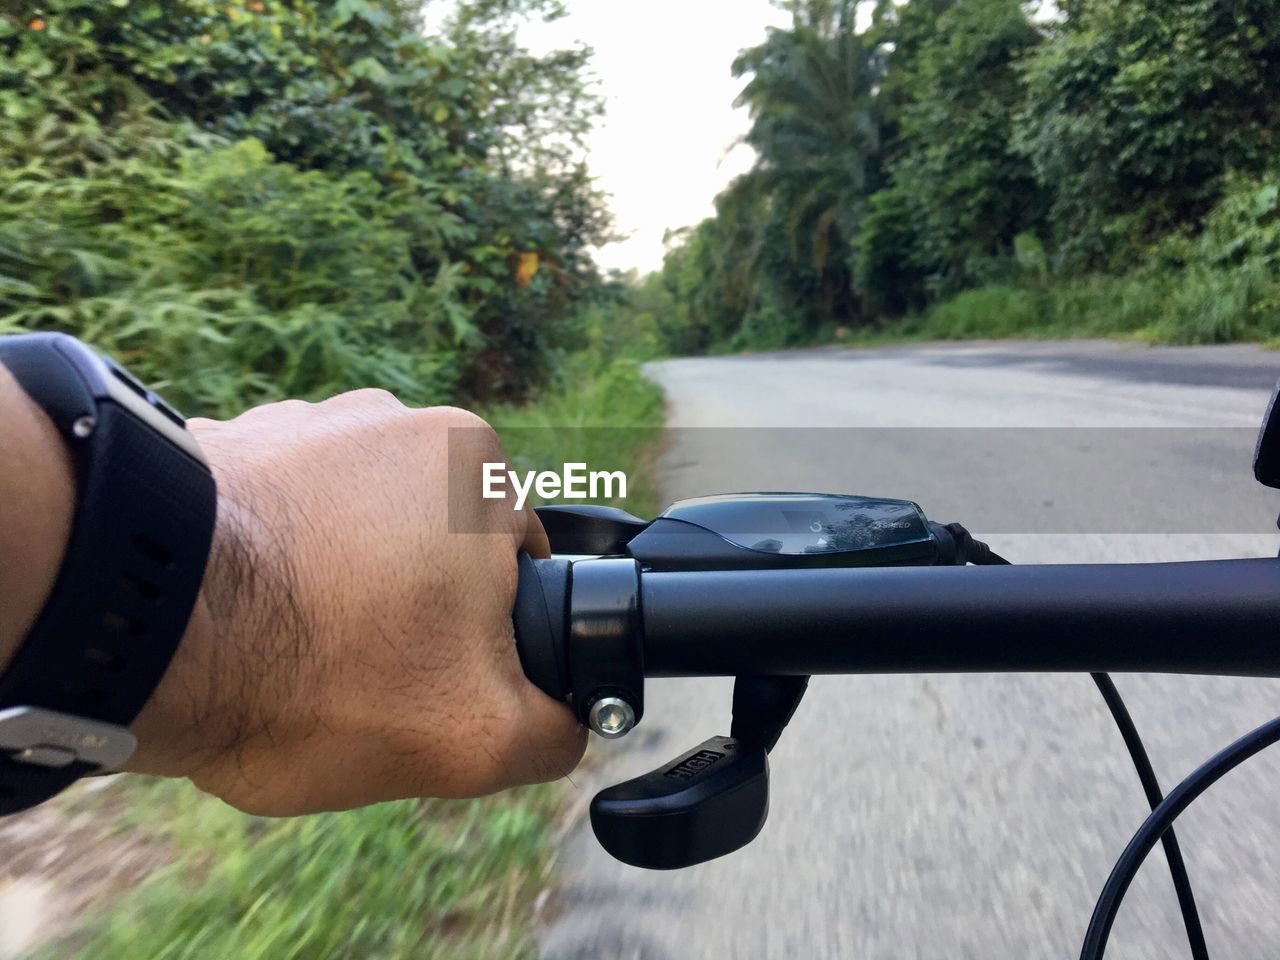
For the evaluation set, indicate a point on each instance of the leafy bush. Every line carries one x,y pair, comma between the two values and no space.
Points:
248,200
603,412
995,311
765,328
1219,306
1192,304
1244,227
240,280
1136,112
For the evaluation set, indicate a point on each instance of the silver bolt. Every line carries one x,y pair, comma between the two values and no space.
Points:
611,717
83,426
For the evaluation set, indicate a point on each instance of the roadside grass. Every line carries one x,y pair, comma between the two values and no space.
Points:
1159,305
606,415
445,880
1191,306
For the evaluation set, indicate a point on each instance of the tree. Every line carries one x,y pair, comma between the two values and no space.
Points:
1137,111
957,192
815,136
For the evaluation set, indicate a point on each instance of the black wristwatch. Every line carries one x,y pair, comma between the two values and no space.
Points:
140,538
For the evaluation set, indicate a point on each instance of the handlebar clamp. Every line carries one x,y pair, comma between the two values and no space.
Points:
605,656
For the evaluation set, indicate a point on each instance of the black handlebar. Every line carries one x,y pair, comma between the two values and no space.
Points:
590,632
1204,617
858,596
1214,617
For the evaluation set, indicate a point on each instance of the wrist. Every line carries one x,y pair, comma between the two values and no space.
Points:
37,499
194,715
106,600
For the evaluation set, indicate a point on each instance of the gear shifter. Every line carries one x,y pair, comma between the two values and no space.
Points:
709,801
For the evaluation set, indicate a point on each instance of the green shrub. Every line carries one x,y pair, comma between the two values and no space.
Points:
1244,227
294,197
995,311
765,328
1220,306
240,280
1193,304
602,412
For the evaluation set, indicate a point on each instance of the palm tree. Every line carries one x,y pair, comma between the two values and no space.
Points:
815,135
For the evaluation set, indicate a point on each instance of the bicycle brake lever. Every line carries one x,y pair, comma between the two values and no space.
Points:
708,802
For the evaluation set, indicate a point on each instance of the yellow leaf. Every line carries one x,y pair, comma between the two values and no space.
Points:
441,114
526,268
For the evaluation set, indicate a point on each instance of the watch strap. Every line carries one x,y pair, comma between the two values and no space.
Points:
140,538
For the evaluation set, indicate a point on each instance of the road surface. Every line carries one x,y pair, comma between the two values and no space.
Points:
975,816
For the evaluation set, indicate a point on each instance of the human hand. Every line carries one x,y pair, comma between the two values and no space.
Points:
347,648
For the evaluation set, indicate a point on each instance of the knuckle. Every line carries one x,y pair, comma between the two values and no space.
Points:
470,434
455,418
278,410
367,397
379,396
563,760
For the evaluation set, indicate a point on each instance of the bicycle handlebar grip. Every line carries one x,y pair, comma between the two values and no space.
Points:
540,618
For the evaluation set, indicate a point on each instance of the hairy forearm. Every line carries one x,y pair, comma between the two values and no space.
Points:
37,498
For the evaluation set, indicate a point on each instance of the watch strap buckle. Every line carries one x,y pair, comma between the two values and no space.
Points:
49,738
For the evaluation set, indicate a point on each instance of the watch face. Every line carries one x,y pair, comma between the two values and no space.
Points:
795,524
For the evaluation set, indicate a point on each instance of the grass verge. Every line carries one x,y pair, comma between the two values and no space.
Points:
1156,305
448,880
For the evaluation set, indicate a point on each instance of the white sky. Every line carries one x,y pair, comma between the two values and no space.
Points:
666,145
664,148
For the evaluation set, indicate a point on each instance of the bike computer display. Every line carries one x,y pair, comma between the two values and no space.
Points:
805,523
743,530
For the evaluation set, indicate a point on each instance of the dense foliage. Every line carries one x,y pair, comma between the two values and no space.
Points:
1137,111
961,144
251,199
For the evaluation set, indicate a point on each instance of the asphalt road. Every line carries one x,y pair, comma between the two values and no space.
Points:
973,816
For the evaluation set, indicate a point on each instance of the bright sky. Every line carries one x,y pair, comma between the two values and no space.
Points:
665,147
668,142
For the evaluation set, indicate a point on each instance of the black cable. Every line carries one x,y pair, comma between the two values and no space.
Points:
1155,826
1151,787
958,546
977,552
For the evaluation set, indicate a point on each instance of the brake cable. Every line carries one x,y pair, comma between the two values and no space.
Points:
1172,851
978,553
1159,825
